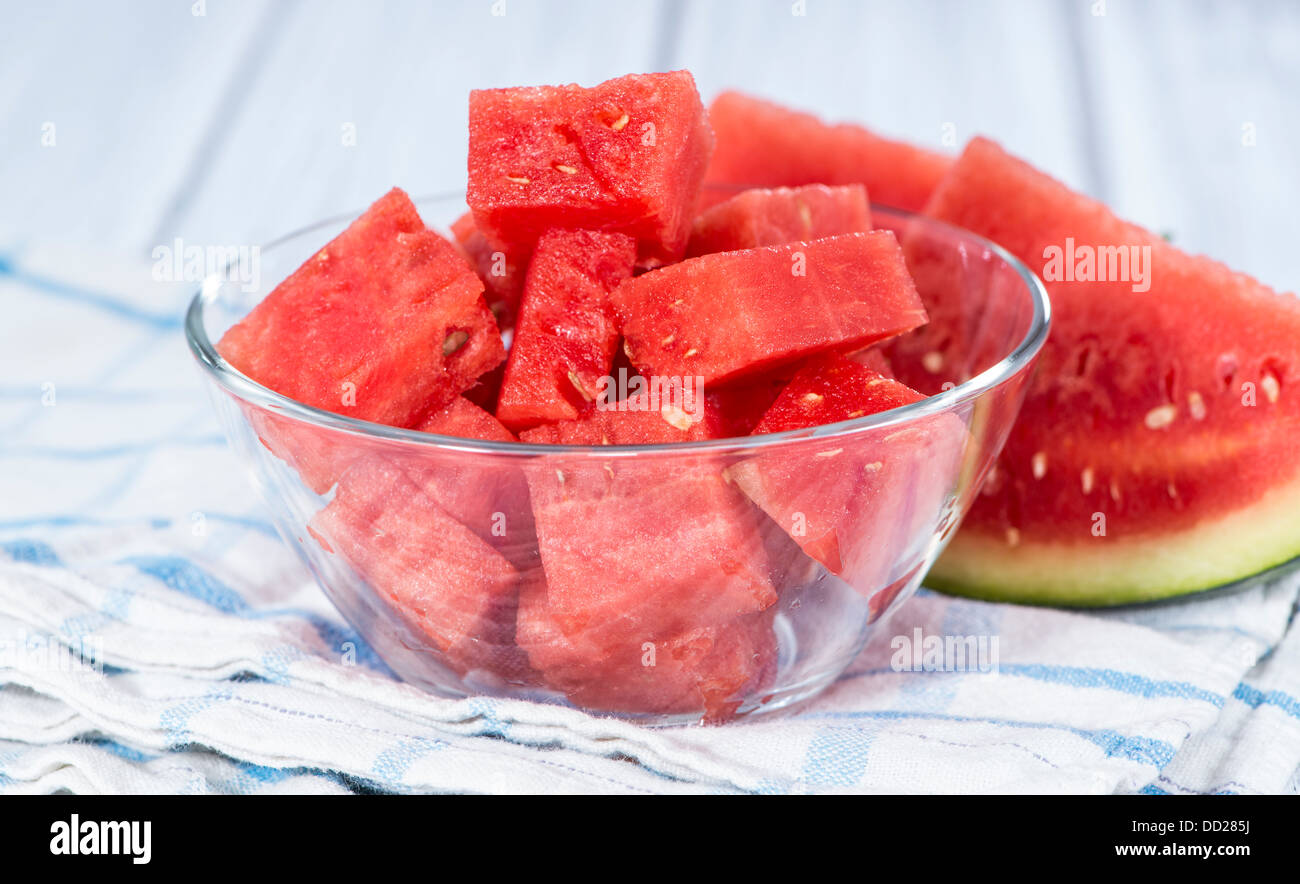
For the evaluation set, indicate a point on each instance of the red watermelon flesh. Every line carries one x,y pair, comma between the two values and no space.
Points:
735,314
1170,413
707,670
626,156
852,503
502,273
454,590
735,409
780,215
636,550
385,323
485,494
567,335
761,144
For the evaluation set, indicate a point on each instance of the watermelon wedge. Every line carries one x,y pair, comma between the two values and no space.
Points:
781,304
635,551
761,144
1155,453
567,335
626,156
455,591
850,502
780,215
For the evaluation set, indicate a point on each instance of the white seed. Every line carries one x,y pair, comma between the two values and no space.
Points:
1171,490
668,340
676,417
1268,383
559,476
932,362
813,398
1085,479
1039,465
567,170
1114,491
517,179
1161,416
691,352
873,467
618,124
577,385
609,470
454,342
1196,406
831,453
1013,537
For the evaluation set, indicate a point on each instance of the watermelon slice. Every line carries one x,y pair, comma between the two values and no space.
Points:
850,502
705,671
385,323
458,594
1155,453
502,274
635,551
567,335
761,144
781,303
781,215
625,156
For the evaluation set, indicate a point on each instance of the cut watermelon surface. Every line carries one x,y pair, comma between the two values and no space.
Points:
632,551
567,335
1155,453
626,156
735,314
502,274
385,323
454,590
785,214
849,502
761,144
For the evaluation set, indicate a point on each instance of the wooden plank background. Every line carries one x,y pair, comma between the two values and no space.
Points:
126,124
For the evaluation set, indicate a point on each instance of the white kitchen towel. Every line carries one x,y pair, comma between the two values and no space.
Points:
156,636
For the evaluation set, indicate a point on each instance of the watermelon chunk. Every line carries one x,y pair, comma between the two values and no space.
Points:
761,144
457,592
705,671
781,215
854,503
1155,453
639,550
781,303
502,274
567,335
625,156
385,323
486,494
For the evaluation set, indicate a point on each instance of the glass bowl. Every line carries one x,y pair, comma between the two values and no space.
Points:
637,581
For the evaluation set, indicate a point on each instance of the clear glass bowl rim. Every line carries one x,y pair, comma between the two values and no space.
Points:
249,390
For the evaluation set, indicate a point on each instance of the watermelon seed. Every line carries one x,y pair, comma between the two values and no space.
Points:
517,179
1013,537
567,170
668,340
1085,479
577,385
1196,405
1173,492
873,467
693,351
1114,491
454,342
813,398
618,124
1039,465
559,476
1268,383
1161,416
932,361
827,453
676,417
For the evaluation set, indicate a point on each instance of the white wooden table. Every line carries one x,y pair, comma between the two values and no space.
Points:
125,125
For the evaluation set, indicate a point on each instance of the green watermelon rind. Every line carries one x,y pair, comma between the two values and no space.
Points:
1214,554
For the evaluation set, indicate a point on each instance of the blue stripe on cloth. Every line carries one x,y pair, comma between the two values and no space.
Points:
100,300
837,757
1111,679
1144,750
392,764
31,552
1254,698
189,579
1152,789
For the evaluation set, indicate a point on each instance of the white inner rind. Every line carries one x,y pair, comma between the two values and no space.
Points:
1115,570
